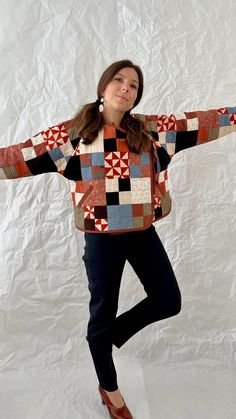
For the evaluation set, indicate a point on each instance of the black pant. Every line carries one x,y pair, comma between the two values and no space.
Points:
104,258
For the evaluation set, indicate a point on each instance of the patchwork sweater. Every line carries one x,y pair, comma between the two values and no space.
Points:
115,190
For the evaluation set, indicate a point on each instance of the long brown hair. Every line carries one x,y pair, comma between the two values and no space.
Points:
90,120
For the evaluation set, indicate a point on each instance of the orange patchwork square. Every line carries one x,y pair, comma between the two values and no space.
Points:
80,186
202,136
121,145
137,210
109,132
22,169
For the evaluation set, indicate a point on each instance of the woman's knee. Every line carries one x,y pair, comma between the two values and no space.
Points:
168,307
174,307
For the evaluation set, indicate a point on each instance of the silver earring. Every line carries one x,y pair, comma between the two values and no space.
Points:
101,104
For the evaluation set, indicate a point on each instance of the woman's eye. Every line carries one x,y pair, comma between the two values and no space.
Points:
120,79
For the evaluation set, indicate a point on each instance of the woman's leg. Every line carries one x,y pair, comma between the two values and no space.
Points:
104,262
150,261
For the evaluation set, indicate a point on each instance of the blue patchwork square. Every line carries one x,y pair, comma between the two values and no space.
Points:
224,120
86,173
232,109
171,137
145,159
119,217
56,154
135,171
98,159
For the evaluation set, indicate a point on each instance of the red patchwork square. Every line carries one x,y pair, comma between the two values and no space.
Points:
40,149
88,212
208,119
233,119
222,111
101,224
166,123
55,136
98,172
145,171
117,164
181,125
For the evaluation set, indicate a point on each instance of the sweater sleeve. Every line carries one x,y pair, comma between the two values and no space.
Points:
182,130
47,151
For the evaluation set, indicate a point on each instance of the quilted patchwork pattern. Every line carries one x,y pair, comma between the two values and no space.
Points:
113,189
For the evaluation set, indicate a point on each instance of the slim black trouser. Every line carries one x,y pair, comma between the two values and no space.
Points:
104,257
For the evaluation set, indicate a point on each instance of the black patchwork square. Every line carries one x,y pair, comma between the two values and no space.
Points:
110,144
158,212
120,134
75,142
124,185
89,224
73,169
100,212
185,139
112,198
41,164
164,158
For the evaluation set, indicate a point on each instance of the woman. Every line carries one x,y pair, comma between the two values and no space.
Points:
118,162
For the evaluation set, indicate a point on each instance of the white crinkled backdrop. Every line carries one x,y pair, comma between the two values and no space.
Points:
52,55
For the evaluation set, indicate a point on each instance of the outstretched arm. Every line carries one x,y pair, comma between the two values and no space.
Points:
187,129
47,151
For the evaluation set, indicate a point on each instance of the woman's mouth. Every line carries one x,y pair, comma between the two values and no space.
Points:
122,97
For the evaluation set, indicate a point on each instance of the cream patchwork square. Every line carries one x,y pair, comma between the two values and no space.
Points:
61,164
161,178
38,139
77,196
162,137
28,153
141,190
96,146
67,149
112,185
226,130
125,197
2,174
192,124
170,148
180,115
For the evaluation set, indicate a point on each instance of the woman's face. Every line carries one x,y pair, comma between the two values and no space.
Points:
121,93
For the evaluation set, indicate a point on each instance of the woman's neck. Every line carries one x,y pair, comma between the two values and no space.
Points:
114,118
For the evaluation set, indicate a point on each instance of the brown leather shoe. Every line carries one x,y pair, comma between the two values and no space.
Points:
115,412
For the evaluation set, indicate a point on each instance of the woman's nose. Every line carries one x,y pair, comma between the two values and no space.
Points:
125,87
